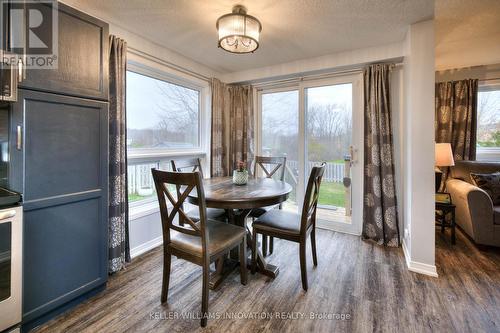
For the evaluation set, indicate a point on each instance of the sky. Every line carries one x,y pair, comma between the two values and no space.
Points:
144,94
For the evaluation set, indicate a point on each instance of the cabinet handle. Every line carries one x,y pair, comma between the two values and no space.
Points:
20,71
19,137
8,214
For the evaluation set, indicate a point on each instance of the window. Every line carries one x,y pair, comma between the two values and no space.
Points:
161,115
163,122
488,123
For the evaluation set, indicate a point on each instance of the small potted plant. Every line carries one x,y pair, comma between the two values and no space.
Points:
240,175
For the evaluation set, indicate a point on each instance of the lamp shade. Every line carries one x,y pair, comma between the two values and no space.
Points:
444,155
238,31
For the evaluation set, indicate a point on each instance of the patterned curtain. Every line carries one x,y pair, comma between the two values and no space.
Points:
455,120
241,142
380,219
218,155
119,251
232,127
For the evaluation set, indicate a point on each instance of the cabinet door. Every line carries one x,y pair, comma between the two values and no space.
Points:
65,199
82,59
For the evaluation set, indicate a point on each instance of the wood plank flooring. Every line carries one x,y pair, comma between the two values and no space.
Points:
369,283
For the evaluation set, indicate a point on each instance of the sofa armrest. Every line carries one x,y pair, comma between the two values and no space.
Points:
474,212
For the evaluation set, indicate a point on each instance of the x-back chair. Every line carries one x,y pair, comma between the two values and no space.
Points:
277,166
192,165
294,227
201,242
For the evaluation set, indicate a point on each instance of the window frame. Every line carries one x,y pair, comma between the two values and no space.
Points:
148,206
487,154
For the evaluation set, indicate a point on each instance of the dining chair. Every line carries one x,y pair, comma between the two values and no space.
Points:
292,226
200,242
274,164
191,165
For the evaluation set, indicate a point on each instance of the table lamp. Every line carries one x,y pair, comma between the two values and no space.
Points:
443,158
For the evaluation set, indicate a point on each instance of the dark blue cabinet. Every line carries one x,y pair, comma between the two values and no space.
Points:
65,181
61,167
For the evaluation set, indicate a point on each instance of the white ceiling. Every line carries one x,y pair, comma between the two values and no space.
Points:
467,33
292,29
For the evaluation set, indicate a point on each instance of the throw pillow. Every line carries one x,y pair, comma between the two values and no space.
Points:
490,183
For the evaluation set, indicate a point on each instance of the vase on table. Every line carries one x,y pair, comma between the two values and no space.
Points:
240,177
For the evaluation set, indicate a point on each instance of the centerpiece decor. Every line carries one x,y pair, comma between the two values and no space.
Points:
240,175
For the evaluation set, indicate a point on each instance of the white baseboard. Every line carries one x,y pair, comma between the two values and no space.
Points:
145,247
418,267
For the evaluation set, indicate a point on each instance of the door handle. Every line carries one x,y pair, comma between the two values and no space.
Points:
19,137
352,151
8,214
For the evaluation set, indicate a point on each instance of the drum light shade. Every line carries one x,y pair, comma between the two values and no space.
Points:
238,32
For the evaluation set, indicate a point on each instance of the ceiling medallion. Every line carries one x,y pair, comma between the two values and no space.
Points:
238,31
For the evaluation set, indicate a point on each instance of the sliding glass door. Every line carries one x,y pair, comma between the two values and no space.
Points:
280,132
314,122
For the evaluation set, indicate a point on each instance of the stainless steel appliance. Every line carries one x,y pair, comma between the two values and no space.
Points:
11,73
11,227
11,248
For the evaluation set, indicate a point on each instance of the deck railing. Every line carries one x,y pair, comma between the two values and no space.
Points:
140,181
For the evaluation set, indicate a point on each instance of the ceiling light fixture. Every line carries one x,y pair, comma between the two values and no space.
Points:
238,31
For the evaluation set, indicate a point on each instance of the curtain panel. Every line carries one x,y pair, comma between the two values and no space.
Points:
456,119
119,251
232,127
380,218
241,141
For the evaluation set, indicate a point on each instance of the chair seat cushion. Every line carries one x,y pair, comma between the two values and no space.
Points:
212,214
496,213
221,236
278,220
257,212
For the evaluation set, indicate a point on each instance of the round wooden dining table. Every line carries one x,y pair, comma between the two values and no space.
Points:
238,201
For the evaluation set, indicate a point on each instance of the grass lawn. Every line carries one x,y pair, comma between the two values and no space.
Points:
136,197
332,194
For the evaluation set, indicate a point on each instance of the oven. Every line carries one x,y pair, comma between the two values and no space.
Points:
11,248
11,216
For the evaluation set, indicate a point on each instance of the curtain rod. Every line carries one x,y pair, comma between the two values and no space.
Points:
291,80
168,64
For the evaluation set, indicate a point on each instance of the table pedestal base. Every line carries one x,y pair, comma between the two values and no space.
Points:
224,266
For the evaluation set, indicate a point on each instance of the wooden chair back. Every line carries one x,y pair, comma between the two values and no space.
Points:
277,164
187,165
185,182
311,197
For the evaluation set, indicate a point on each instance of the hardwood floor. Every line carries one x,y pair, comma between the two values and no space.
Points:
369,283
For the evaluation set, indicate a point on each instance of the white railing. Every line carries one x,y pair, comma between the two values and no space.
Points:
334,172
140,181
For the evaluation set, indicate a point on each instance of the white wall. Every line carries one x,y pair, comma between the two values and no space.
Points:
328,63
418,158
398,107
485,72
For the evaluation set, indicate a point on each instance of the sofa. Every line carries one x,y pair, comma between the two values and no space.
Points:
475,213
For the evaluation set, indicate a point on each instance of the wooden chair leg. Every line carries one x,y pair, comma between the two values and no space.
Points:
271,245
243,262
254,251
264,245
313,246
167,258
303,266
204,297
